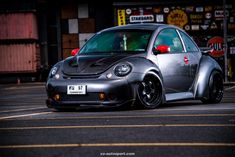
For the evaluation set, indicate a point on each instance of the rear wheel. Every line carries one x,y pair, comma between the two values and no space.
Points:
216,88
150,92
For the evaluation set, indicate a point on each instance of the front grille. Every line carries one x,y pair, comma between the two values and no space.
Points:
80,76
87,97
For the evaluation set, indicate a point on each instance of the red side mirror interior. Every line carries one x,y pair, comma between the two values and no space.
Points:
162,49
75,51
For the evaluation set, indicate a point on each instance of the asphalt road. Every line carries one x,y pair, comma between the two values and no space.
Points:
183,129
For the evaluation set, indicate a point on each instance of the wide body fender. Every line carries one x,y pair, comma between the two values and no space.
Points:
206,66
141,68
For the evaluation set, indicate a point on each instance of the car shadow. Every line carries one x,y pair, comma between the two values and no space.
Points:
177,104
95,109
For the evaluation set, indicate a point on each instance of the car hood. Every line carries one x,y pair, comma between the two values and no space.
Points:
90,64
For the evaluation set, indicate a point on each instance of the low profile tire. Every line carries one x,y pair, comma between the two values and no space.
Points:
149,92
216,88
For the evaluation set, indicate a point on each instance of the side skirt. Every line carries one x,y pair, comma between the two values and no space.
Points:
179,96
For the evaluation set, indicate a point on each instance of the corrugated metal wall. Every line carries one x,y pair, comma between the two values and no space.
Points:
16,58
19,52
18,26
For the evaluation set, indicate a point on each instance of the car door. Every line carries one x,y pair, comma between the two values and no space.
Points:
174,66
193,54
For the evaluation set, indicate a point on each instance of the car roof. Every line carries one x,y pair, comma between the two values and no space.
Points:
145,26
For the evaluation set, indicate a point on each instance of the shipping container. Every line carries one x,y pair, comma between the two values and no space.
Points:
18,26
19,58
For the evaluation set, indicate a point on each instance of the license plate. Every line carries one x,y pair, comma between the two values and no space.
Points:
76,89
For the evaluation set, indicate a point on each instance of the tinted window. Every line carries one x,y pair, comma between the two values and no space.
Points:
190,46
170,38
118,41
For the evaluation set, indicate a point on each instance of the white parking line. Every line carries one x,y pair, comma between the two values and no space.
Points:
198,144
25,109
25,87
198,109
229,88
128,116
115,126
24,115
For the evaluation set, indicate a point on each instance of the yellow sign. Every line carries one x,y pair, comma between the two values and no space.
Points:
121,17
177,17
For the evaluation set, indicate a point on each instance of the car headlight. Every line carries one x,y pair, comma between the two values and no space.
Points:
122,70
53,71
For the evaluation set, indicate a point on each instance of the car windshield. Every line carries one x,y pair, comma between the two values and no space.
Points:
117,42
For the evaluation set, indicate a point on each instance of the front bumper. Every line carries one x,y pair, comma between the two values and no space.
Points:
116,91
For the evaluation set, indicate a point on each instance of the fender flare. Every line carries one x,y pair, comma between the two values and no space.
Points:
206,67
159,77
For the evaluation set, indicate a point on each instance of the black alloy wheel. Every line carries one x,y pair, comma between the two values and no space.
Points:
216,88
150,92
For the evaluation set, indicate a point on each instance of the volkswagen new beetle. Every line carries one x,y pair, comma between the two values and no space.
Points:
139,64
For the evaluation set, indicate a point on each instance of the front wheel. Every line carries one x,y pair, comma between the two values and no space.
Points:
216,88
150,92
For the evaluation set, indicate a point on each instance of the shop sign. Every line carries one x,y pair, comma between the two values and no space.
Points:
121,17
166,10
231,39
232,50
160,18
220,13
216,43
208,15
195,27
199,9
128,11
157,10
196,16
141,18
189,9
208,8
204,27
187,27
213,25
199,21
177,17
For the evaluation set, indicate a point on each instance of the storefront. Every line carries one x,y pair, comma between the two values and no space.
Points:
67,24
204,22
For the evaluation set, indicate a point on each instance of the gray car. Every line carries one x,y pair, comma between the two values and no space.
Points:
139,64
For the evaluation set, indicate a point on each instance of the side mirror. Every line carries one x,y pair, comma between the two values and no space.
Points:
161,49
75,51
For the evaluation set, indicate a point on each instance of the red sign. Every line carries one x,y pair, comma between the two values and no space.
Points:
216,43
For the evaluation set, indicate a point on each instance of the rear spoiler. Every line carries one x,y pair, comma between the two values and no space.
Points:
206,50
